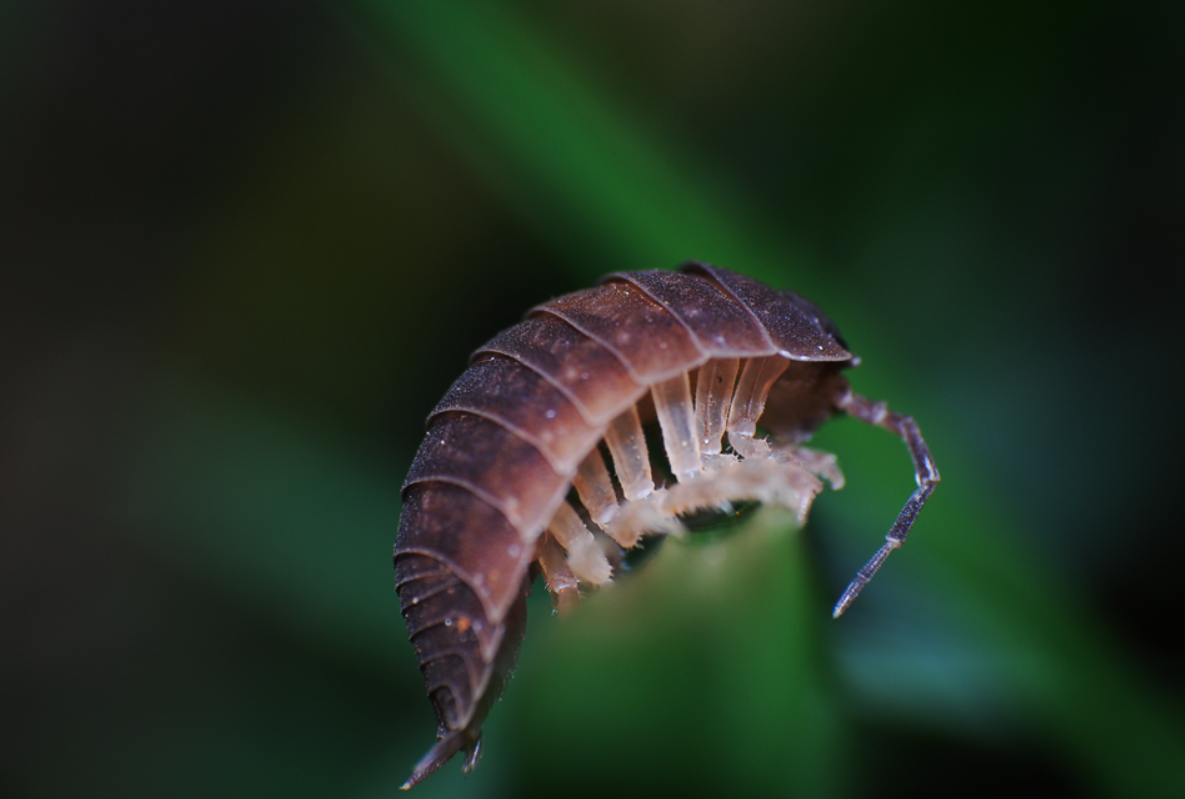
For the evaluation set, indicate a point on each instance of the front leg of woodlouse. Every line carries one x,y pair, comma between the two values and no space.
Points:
926,473
561,581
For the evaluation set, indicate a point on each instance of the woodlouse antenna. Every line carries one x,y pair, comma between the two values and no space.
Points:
926,473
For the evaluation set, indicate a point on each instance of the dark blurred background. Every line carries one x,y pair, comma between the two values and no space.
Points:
245,247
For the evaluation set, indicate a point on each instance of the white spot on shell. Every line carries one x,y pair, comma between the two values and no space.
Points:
550,414
514,550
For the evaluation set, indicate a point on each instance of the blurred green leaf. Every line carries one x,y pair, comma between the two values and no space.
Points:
699,674
580,170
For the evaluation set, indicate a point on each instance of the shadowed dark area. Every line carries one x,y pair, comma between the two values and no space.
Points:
246,248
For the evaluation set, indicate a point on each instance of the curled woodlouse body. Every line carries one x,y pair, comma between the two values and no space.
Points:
535,460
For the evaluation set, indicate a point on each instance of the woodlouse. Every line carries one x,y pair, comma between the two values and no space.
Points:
705,351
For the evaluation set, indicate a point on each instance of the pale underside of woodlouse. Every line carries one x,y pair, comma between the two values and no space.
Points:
536,459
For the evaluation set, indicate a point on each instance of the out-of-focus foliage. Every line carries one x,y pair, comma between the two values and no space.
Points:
249,245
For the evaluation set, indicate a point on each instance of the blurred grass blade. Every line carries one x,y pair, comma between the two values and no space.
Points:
585,173
705,660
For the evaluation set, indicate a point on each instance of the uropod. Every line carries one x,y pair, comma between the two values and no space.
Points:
536,462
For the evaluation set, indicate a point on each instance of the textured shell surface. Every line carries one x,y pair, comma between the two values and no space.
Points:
535,460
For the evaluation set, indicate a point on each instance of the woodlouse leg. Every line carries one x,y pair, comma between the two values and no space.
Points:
585,558
786,484
595,488
561,582
822,464
757,377
926,473
676,418
631,458
713,398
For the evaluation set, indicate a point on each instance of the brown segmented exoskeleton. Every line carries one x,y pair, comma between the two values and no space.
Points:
512,479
